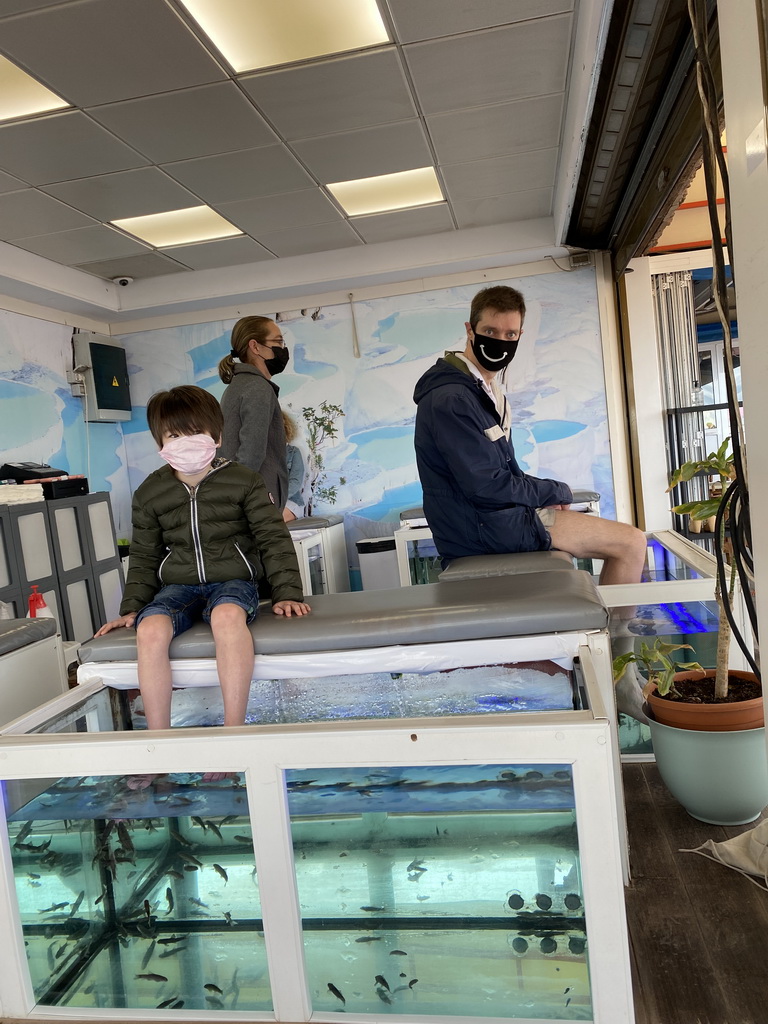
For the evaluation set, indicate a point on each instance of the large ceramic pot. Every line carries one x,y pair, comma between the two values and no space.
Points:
746,714
718,777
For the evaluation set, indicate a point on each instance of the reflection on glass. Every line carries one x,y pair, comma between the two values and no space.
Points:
661,564
450,891
316,572
138,893
423,561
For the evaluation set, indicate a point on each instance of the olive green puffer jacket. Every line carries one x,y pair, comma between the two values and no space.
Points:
224,529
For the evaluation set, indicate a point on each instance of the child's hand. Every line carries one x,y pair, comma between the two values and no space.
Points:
289,608
124,620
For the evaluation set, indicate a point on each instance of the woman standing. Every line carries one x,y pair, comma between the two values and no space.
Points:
253,423
296,505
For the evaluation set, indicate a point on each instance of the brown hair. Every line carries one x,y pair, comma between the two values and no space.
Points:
246,328
184,410
500,298
291,430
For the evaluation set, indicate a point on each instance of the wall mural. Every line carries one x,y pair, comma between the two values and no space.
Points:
555,385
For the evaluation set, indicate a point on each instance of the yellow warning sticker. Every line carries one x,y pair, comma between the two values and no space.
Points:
114,383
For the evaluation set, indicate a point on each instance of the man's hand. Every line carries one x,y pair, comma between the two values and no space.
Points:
289,608
124,620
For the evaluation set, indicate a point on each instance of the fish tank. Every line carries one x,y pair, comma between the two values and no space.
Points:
420,845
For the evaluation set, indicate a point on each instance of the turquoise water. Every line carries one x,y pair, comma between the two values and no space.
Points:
450,890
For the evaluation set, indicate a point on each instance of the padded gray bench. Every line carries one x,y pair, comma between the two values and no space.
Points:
31,665
541,616
475,567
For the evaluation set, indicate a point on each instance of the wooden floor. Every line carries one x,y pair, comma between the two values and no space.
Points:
698,931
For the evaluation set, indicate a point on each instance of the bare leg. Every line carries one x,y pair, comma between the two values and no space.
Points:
153,637
620,546
234,659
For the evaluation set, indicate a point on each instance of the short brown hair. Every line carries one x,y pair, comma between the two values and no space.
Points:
500,298
184,410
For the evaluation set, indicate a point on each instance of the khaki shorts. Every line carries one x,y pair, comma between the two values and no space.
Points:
547,516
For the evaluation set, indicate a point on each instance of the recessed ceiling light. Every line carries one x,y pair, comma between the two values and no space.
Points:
261,35
178,227
419,187
22,96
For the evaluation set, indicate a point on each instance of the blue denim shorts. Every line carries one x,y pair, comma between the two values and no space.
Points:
185,604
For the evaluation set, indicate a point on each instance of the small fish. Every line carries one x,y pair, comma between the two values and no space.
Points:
53,907
383,996
243,839
199,821
171,952
372,910
125,839
190,867
397,952
31,874
566,990
169,898
567,1001
179,837
335,992
148,911
173,873
178,1005
24,831
165,1003
228,918
228,820
412,982
171,939
416,865
197,902
76,904
369,938
422,898
403,974
214,1002
148,955
152,977
146,930
51,961
215,829
381,980
190,858
220,871
210,987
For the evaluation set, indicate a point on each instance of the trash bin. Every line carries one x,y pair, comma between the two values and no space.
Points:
378,563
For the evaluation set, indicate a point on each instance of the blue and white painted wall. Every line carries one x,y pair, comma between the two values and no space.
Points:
556,386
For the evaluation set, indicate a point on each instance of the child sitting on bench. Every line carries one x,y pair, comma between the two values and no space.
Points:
205,533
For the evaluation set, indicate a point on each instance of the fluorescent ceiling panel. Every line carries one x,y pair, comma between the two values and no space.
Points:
22,96
271,32
178,227
397,191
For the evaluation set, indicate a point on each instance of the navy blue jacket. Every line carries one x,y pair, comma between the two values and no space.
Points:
477,500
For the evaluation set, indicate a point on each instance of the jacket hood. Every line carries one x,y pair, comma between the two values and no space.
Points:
447,370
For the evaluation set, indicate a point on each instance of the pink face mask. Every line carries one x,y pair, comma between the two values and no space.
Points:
189,454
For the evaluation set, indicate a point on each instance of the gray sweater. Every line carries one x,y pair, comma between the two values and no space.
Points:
253,429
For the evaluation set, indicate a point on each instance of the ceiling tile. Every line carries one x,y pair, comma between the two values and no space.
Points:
10,184
61,147
125,194
228,252
497,130
32,213
81,245
147,264
245,175
530,59
480,213
388,227
429,18
350,92
188,124
99,51
293,209
499,175
316,238
370,151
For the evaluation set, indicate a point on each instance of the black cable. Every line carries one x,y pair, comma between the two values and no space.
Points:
723,580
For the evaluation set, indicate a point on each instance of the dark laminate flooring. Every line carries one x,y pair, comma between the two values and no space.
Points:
698,931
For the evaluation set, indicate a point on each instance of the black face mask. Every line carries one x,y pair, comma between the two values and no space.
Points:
278,362
492,353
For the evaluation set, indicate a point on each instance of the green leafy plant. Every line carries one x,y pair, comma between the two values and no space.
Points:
320,428
660,668
720,464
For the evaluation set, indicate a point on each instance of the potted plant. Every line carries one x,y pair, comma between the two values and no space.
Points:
726,698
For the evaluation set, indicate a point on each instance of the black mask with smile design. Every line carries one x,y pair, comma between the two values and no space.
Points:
278,361
493,353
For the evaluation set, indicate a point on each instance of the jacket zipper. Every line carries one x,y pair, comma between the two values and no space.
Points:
195,525
247,563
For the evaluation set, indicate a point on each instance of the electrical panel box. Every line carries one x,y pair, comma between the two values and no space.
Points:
101,365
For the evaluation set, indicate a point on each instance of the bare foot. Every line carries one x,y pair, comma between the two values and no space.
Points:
137,782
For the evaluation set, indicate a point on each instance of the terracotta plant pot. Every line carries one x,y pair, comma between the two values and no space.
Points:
694,525
746,714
